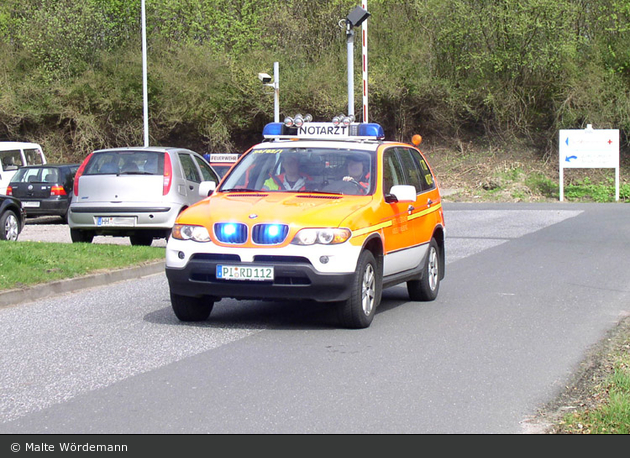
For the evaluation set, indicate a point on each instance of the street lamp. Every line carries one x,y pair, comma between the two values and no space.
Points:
145,96
355,18
275,84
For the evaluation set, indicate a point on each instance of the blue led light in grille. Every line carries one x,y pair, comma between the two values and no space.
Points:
230,232
269,234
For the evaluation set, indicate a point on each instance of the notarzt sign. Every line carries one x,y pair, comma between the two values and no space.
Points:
322,130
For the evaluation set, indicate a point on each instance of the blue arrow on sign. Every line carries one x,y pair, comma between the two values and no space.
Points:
567,141
570,158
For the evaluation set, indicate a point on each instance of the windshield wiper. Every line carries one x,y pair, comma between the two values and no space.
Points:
320,192
241,190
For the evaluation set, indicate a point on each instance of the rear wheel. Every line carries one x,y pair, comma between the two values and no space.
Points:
79,236
9,226
426,289
191,308
358,310
141,239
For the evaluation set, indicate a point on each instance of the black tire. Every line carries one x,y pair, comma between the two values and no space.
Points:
427,288
79,236
9,226
191,308
141,240
357,312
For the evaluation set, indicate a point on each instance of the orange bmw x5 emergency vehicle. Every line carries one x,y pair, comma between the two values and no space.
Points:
296,219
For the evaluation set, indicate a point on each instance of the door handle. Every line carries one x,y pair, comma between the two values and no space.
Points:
429,202
410,209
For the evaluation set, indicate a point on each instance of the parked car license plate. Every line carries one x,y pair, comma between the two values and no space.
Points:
244,273
115,221
31,204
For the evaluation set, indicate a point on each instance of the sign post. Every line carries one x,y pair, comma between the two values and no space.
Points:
589,148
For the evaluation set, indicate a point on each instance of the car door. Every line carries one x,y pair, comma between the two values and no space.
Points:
423,217
191,177
401,252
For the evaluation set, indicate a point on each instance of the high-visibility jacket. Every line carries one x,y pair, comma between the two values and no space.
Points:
275,182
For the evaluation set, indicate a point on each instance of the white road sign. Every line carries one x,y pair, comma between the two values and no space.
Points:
589,148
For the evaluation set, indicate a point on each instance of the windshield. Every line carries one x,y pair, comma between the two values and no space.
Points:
281,168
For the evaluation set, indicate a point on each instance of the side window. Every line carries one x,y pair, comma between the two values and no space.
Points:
411,172
392,170
426,178
206,172
11,160
33,157
188,165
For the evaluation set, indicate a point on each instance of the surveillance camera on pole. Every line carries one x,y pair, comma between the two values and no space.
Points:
267,80
264,77
355,18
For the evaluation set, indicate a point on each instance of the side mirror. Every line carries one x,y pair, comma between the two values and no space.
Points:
206,188
403,193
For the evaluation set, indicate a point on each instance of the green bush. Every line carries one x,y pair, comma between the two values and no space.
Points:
449,69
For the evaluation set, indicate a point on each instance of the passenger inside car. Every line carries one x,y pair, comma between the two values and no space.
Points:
151,164
129,166
109,167
291,179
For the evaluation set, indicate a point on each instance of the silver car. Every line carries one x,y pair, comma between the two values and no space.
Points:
136,192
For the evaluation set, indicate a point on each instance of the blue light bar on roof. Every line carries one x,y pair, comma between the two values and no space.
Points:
273,129
325,131
371,129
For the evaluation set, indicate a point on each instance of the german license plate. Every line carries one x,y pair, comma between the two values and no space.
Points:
115,221
244,273
30,204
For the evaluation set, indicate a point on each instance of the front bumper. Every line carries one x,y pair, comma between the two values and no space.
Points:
294,279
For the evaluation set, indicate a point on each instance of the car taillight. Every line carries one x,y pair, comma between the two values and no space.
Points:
168,175
79,173
9,191
57,190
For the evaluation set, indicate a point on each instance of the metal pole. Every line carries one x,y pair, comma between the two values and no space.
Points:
350,47
145,95
364,30
276,92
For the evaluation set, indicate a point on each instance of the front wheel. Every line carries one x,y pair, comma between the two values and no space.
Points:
188,308
426,289
357,312
9,226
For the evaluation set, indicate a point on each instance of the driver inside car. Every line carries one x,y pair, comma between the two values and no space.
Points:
356,172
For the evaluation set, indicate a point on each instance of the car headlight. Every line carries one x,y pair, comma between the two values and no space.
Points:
189,232
324,236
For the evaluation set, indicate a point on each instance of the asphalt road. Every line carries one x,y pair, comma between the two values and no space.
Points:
529,290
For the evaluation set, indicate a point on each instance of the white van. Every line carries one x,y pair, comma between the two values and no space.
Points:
14,155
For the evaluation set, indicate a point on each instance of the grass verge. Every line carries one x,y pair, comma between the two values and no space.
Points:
29,263
602,403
